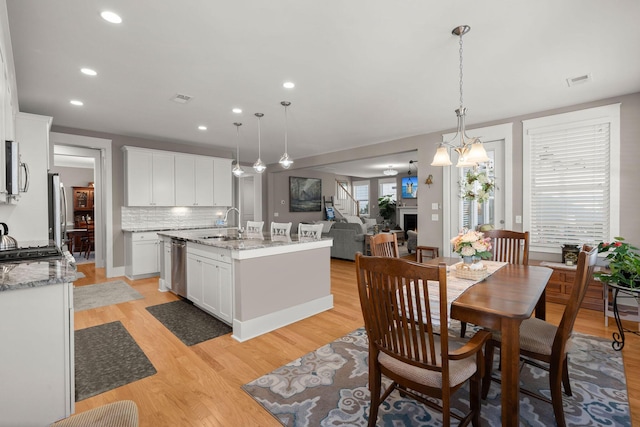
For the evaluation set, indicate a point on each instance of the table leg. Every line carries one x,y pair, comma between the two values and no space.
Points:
541,306
510,355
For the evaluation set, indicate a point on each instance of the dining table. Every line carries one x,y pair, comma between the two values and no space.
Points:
501,302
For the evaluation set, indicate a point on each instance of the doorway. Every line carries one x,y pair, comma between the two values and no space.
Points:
498,141
100,151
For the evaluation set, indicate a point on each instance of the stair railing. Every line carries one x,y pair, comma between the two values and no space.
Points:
350,205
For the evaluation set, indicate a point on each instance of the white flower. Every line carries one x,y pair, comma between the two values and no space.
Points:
467,251
479,246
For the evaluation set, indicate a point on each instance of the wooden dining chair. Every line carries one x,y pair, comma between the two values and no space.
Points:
545,342
384,244
509,246
280,228
506,246
404,347
424,252
88,240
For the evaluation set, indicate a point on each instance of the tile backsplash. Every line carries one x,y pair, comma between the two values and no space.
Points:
170,217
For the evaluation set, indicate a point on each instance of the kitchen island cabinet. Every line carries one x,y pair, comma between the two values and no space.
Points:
256,284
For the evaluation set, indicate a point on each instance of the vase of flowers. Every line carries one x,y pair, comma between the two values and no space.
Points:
470,244
624,263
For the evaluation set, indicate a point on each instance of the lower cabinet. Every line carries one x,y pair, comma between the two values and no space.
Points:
143,254
165,264
561,284
210,281
37,354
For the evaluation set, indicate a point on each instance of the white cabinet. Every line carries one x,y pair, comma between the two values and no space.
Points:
37,369
149,177
142,258
194,180
210,280
222,183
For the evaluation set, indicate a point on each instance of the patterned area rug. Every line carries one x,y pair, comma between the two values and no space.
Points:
328,387
102,294
106,357
187,322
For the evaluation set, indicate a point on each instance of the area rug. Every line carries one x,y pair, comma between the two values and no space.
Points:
106,357
103,294
328,387
187,322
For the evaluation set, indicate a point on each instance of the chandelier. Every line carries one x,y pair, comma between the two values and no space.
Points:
237,169
470,150
259,165
390,171
285,160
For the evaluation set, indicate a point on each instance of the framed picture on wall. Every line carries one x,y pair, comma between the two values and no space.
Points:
409,187
305,194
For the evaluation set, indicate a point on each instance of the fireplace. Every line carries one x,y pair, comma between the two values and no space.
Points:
408,218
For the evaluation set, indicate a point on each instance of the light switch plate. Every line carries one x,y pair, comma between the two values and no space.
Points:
434,206
276,214
518,219
434,217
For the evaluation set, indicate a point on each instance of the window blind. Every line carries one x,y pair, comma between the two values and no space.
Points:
569,184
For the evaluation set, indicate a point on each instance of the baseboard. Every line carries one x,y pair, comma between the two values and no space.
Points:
245,330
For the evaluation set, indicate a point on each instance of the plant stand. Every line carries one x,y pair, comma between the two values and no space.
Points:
622,292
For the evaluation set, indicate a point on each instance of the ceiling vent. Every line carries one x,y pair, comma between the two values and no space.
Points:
585,78
181,98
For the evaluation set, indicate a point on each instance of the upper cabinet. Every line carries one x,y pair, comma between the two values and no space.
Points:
163,178
194,180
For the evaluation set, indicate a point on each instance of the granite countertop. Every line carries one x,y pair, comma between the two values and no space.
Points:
156,228
228,239
35,273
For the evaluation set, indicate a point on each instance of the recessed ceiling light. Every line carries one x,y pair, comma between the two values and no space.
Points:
88,71
289,85
76,102
202,127
111,17
237,110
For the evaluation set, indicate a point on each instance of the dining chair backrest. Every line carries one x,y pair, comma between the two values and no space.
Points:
509,246
313,231
281,228
254,226
384,244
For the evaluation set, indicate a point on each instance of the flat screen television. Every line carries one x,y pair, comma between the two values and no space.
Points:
409,187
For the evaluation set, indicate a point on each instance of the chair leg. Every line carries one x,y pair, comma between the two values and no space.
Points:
555,384
463,329
565,378
474,395
375,381
488,368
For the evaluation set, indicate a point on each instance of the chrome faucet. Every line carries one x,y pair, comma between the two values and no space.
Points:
226,215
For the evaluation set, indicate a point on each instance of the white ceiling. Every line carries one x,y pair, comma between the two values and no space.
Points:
366,71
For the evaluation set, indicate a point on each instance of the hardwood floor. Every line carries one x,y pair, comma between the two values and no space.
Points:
200,385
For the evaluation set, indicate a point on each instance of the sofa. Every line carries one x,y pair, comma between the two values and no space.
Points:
348,238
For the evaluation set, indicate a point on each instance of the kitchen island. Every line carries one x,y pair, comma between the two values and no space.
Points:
255,283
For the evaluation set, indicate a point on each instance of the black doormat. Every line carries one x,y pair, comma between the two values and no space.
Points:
187,322
106,357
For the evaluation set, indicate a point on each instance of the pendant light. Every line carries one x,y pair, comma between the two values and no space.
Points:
237,169
470,150
285,160
259,165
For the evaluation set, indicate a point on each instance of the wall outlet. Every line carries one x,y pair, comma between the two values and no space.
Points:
276,214
518,219
434,217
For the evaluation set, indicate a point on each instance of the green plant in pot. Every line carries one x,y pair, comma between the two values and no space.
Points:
386,208
624,264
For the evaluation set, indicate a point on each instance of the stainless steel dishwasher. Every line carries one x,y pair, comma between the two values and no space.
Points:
179,267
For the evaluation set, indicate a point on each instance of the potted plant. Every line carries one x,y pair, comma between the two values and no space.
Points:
386,208
624,263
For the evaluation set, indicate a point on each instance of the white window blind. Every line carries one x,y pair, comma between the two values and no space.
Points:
569,183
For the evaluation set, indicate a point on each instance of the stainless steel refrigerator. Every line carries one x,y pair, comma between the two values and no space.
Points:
57,210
